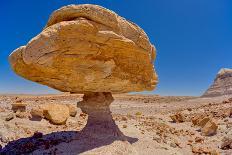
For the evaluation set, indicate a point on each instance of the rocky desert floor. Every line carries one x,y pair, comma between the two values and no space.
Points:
153,125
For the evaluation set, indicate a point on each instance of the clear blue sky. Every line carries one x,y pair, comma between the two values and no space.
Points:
193,38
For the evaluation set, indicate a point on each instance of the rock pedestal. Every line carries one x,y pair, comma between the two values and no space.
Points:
100,121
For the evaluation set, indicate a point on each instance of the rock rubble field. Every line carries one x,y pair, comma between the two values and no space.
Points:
160,125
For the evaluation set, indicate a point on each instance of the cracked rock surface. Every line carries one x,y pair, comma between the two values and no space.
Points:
87,48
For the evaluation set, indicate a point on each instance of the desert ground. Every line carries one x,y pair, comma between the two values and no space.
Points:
152,124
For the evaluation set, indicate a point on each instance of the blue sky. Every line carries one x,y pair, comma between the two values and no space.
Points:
193,38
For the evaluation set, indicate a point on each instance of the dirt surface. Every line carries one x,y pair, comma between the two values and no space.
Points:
145,120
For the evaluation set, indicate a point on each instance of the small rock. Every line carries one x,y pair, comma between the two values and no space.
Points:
177,118
124,126
138,113
230,99
9,117
2,109
4,138
72,110
21,114
226,143
19,106
83,115
199,140
172,144
214,152
195,120
226,101
124,118
157,139
38,135
209,129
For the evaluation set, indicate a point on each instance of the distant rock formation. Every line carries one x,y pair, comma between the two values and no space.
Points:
222,84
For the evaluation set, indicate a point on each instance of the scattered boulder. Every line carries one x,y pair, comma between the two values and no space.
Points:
56,113
9,117
72,110
19,106
203,122
209,129
177,118
36,113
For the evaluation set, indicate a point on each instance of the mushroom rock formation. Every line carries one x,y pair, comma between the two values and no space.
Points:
90,50
222,84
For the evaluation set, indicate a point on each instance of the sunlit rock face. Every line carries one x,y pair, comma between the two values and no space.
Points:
87,48
222,84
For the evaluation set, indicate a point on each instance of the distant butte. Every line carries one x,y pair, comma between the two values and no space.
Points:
222,84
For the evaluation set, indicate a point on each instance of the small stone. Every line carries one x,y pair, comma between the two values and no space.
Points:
20,114
177,118
72,110
199,140
203,121
9,117
138,113
214,152
2,109
209,129
226,143
230,99
226,101
124,118
38,135
195,120
3,138
19,106
124,126
157,139
83,115
172,144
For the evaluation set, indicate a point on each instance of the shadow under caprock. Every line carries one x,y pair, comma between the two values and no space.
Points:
39,142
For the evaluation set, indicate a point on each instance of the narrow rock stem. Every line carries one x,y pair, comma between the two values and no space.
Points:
100,122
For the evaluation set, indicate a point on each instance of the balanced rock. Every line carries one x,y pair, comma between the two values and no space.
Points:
87,48
222,84
56,113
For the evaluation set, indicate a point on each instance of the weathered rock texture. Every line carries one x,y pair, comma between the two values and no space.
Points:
100,122
87,48
222,84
